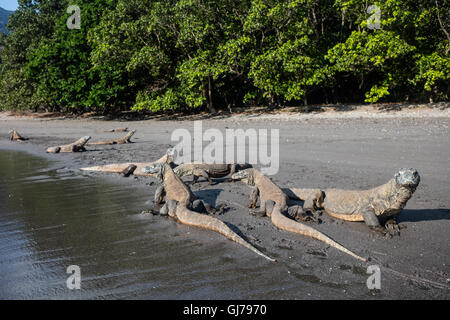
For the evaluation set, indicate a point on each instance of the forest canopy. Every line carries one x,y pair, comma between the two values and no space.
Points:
146,55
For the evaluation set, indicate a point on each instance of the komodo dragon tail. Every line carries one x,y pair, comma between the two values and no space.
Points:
192,218
284,223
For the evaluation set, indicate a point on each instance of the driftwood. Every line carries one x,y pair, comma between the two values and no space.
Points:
123,140
15,136
132,167
77,146
117,130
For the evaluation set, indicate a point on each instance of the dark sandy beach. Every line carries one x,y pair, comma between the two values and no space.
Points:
352,150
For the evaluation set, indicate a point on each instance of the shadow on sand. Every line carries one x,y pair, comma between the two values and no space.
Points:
417,215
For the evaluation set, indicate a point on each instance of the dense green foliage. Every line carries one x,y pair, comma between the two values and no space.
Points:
185,54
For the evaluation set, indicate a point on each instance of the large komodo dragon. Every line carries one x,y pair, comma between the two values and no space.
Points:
135,168
381,204
123,140
77,146
208,170
178,203
273,203
15,136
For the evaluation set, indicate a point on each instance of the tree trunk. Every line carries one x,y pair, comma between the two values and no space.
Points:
210,100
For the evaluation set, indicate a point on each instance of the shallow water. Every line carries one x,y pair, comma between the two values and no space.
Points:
51,218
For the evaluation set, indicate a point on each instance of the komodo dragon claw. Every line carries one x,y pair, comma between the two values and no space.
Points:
393,228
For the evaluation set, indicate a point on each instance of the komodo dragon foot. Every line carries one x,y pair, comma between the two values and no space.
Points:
391,228
128,170
257,213
201,206
299,214
155,209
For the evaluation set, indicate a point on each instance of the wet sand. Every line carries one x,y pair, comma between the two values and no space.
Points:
334,151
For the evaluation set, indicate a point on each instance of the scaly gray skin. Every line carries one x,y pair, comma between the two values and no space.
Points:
77,146
179,201
273,203
376,206
208,170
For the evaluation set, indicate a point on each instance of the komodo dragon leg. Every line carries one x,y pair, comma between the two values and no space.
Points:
168,208
296,212
261,212
200,173
128,170
391,227
197,205
254,197
201,206
159,194
233,169
372,221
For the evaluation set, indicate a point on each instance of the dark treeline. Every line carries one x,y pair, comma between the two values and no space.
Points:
149,55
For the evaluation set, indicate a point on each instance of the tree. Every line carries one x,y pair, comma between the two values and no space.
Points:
31,22
61,64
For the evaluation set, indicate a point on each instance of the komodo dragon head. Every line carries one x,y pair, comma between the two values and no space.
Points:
408,178
170,156
157,168
245,176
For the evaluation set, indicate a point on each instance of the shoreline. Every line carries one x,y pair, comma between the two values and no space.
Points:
357,111
345,152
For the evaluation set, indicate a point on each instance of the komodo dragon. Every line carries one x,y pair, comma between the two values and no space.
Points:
179,201
15,136
273,203
117,130
208,170
135,168
383,203
77,146
123,140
